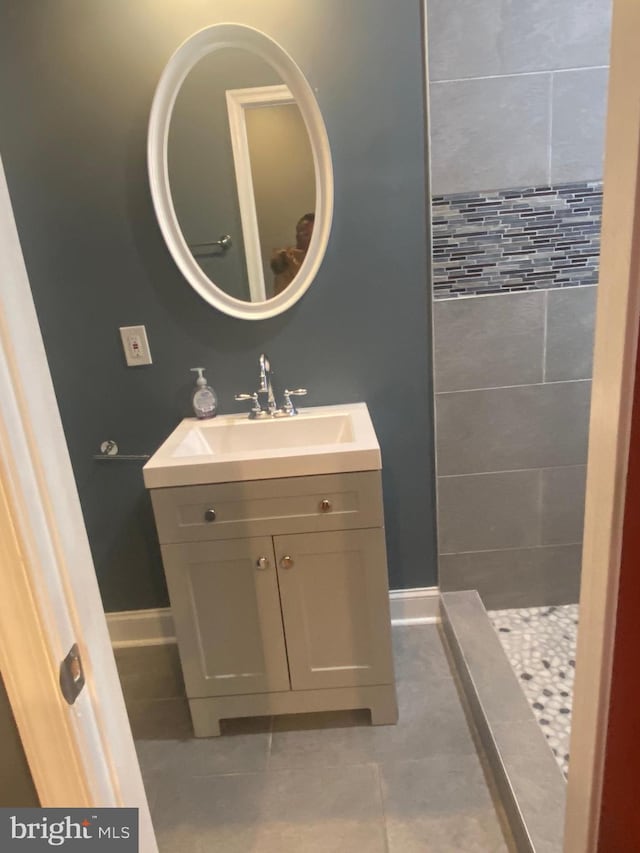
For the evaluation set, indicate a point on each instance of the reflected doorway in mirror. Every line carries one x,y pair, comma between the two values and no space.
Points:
273,163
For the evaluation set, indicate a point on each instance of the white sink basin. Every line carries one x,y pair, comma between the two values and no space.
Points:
320,440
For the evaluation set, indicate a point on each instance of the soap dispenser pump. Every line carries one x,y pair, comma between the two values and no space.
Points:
204,400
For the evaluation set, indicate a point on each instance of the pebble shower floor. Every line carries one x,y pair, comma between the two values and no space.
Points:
540,643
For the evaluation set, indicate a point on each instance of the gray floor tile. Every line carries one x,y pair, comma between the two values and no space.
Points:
418,653
159,719
440,805
306,741
431,721
150,672
205,756
327,811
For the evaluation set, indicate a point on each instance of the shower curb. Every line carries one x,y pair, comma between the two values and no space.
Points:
530,783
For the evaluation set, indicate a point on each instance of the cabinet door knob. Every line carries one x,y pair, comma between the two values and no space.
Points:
325,506
286,562
209,515
262,562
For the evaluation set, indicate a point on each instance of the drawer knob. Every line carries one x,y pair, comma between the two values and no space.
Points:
286,562
325,506
209,515
262,562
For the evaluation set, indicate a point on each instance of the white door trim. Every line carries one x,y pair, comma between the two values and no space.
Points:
79,755
616,339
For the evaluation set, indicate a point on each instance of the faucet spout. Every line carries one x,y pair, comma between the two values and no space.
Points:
266,386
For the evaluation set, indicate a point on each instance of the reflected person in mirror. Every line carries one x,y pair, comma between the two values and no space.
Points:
285,263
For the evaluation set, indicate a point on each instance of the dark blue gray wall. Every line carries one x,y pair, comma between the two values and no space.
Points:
76,84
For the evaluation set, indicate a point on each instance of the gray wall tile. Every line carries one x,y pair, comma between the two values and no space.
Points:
471,39
563,491
485,511
503,429
579,101
571,316
527,577
489,342
490,133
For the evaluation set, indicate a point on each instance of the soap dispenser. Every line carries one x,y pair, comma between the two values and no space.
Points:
204,400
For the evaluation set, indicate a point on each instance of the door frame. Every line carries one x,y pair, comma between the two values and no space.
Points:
615,353
81,754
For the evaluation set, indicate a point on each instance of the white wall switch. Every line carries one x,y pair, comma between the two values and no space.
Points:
135,345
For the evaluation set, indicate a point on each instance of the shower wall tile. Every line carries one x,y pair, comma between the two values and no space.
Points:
518,239
471,39
490,133
579,104
570,327
563,491
527,577
503,429
486,511
489,342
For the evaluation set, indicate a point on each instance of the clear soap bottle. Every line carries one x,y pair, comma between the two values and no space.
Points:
205,399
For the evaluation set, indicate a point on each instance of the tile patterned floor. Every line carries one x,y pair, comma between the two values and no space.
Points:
325,783
540,643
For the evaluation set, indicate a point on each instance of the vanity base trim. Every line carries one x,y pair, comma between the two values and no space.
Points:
380,699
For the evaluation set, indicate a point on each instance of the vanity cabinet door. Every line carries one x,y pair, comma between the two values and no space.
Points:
226,609
335,606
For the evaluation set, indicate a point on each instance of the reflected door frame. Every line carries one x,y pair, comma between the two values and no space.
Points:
238,101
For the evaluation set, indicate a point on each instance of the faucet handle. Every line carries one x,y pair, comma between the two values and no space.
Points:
255,409
289,407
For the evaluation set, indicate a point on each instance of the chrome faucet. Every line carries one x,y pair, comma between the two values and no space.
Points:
265,383
266,394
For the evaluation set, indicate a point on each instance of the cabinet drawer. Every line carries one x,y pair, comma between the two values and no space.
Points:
268,507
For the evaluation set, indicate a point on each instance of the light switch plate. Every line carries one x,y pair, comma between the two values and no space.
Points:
135,345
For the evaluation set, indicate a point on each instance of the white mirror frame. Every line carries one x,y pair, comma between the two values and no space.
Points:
180,64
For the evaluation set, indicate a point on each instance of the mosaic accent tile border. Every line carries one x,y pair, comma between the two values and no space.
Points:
540,643
516,239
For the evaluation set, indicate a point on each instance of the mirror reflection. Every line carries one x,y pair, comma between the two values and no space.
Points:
241,174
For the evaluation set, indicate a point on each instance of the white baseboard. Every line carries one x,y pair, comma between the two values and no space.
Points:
154,627
415,606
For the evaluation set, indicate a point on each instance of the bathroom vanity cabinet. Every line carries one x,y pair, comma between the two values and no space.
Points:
279,596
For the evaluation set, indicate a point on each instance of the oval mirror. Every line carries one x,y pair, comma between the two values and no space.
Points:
240,171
